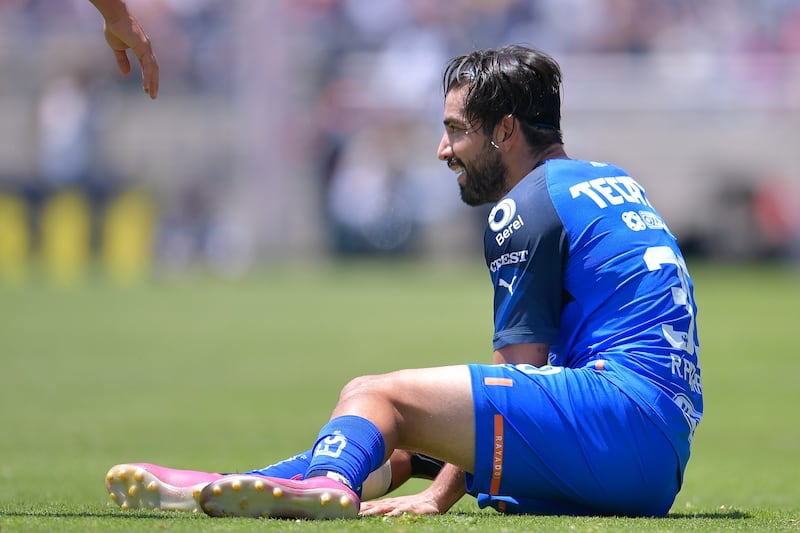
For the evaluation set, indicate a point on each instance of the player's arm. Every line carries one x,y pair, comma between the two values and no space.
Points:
535,354
443,492
122,31
448,487
527,271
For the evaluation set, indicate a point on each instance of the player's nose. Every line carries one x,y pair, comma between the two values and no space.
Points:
445,150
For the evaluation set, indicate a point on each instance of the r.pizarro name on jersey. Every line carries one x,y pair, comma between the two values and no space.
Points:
510,258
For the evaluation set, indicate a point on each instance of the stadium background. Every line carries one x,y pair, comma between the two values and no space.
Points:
296,130
289,133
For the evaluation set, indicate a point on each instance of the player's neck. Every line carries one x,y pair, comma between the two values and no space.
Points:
555,151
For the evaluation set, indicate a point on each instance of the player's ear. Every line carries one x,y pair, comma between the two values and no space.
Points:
505,130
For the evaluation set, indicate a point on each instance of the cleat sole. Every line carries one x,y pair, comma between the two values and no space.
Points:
135,488
262,497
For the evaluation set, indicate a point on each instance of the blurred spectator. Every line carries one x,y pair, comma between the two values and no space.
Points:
776,210
66,133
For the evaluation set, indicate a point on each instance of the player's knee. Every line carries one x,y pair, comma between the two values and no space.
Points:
363,386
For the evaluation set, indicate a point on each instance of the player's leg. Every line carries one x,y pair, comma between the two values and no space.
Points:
401,466
149,486
429,410
405,465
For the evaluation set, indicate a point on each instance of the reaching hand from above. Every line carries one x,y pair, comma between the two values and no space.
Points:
122,31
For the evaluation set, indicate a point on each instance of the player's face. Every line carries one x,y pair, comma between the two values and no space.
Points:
480,171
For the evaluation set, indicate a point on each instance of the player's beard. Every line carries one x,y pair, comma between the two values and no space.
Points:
485,181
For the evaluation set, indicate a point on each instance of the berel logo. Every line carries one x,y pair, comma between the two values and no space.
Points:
502,220
502,214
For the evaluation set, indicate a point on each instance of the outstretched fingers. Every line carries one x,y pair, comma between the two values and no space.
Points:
414,504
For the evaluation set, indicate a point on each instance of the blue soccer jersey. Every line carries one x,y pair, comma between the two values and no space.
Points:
582,261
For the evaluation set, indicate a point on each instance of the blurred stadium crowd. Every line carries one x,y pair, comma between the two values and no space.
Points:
291,128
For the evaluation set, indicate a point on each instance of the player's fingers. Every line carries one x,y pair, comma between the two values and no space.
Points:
122,61
375,507
150,78
396,507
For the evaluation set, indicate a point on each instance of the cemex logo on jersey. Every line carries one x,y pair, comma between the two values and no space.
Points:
503,222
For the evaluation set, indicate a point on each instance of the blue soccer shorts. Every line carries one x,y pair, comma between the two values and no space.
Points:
555,440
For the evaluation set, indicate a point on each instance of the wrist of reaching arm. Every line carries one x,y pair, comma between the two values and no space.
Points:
112,10
448,487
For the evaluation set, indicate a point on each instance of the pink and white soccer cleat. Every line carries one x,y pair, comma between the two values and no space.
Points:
316,498
147,486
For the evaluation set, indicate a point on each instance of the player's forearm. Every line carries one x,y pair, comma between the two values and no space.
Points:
448,487
111,9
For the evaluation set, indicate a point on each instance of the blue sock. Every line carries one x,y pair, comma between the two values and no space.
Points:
288,468
350,446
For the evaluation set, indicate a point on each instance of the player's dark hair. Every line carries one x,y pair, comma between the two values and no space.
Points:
514,80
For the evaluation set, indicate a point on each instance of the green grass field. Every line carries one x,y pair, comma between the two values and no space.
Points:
212,375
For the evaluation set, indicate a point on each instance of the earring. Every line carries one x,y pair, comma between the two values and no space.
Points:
494,145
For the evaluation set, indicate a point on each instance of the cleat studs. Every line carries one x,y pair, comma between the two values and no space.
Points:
113,496
258,485
152,486
277,492
196,493
122,474
345,502
325,498
138,475
236,485
133,490
110,476
264,515
217,490
124,506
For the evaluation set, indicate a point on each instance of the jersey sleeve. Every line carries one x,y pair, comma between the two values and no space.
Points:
525,246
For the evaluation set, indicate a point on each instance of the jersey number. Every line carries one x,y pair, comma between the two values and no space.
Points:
655,258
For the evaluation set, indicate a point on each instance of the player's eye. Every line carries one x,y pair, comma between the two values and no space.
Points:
456,128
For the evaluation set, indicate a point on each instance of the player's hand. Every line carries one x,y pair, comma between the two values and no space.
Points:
125,32
421,503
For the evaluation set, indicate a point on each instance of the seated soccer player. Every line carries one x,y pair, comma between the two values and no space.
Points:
594,391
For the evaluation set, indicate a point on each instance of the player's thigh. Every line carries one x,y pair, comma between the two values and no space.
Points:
434,409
